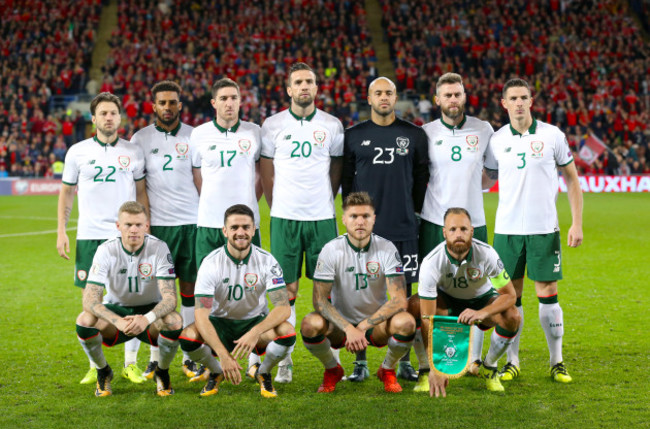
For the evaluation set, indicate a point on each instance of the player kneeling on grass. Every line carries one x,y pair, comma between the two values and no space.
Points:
231,306
458,278
357,269
137,272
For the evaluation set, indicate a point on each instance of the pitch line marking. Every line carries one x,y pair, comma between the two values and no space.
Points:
24,234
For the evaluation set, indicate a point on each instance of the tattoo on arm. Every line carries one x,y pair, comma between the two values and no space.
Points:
92,301
492,174
279,297
168,292
397,291
322,304
203,302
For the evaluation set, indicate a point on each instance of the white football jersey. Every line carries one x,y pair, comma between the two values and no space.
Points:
130,279
358,275
528,177
238,287
105,175
173,198
302,149
227,161
466,279
456,155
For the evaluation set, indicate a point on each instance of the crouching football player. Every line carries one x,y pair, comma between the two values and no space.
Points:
137,272
230,314
464,277
357,269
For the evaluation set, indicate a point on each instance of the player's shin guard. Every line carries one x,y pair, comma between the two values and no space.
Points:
91,341
200,353
513,349
168,344
398,346
131,348
319,346
420,351
552,320
499,342
292,321
276,351
477,343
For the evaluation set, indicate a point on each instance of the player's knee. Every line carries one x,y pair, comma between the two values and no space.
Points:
512,319
285,329
191,333
312,325
86,319
172,322
403,324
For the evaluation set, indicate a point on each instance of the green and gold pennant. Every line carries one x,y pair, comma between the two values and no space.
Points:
449,346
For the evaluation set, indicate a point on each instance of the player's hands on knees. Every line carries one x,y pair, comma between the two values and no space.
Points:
136,325
245,345
63,246
355,339
470,317
231,369
437,384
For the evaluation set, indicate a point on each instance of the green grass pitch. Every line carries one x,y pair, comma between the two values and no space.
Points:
606,347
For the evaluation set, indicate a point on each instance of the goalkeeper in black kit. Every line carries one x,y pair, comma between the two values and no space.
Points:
387,157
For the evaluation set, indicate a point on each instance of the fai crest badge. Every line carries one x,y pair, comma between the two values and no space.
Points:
319,136
244,145
82,275
145,269
124,161
251,280
473,273
472,143
450,350
402,145
373,267
537,147
181,150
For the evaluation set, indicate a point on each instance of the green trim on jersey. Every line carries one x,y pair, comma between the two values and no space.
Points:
172,132
136,253
105,144
235,260
454,127
266,157
428,298
323,280
394,275
137,180
564,165
69,184
358,249
97,283
306,118
232,129
531,130
166,278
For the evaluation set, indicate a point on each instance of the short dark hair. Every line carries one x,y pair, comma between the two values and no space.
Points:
166,86
238,209
297,67
358,199
132,207
223,83
515,83
449,78
456,210
105,96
